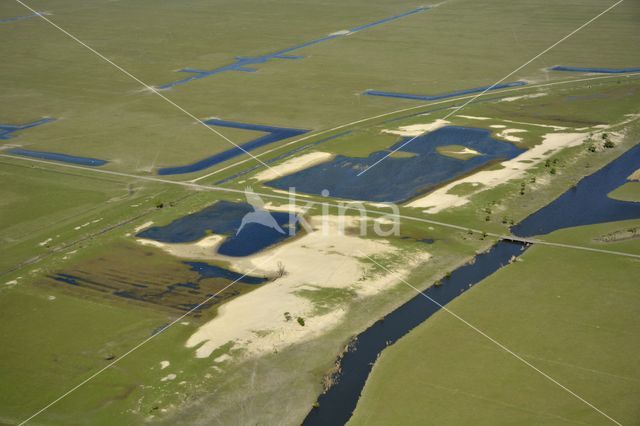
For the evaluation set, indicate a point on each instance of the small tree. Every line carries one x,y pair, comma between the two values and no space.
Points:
609,144
300,321
287,316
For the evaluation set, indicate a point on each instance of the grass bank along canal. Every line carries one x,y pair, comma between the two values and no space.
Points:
585,203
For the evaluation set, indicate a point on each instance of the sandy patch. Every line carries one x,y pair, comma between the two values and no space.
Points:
340,33
471,117
164,364
635,175
507,134
466,151
293,165
143,226
288,208
417,129
288,194
168,377
548,126
517,98
77,228
498,126
45,242
222,358
439,200
324,259
202,249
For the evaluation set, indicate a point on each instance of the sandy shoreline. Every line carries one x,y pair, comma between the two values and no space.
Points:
439,199
415,130
326,259
293,165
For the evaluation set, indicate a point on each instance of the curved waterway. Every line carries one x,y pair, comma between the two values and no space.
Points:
586,203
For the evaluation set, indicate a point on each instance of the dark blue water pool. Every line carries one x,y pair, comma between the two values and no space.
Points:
273,134
7,130
211,271
587,203
443,95
595,70
18,18
246,64
224,218
282,156
398,179
56,156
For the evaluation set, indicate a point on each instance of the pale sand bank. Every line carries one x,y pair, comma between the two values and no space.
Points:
507,134
324,258
143,226
439,199
517,98
417,129
293,165
471,117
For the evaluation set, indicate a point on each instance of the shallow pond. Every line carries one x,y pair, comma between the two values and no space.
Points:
223,218
273,134
398,179
443,95
595,70
587,203
55,156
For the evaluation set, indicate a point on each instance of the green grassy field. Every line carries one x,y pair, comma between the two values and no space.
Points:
56,219
630,191
577,324
102,113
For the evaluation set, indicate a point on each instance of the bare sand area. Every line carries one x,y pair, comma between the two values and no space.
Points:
293,165
330,258
440,199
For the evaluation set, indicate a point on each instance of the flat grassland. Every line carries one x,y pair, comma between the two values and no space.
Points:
55,219
571,314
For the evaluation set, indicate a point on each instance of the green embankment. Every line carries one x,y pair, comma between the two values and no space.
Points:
630,191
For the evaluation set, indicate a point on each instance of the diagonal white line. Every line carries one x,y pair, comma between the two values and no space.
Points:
139,345
494,341
497,82
146,86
